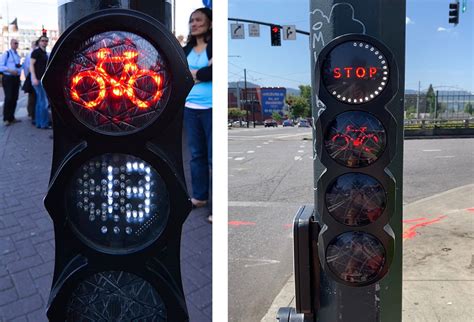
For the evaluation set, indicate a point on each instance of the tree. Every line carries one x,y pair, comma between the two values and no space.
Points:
468,108
430,100
305,92
276,116
235,113
299,107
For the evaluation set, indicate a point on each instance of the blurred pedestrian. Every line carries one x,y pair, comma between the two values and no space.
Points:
27,86
10,66
39,59
198,106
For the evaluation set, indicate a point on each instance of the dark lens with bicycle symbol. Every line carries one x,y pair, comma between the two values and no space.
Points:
355,139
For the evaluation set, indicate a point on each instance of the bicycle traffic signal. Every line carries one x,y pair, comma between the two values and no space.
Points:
275,34
356,142
117,81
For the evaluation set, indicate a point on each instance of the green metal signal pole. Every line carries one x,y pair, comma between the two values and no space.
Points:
385,21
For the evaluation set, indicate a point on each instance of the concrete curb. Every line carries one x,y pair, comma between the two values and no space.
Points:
438,276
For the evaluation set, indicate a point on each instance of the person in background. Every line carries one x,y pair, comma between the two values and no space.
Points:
198,106
38,61
28,87
10,66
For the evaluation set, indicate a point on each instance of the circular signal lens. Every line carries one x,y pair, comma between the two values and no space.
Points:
355,139
117,83
118,203
355,72
115,296
355,257
355,199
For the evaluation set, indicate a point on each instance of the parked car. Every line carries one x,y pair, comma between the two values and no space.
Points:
287,123
238,124
303,123
270,123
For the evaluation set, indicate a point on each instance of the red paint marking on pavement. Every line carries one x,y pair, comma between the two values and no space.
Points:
241,223
412,220
411,232
470,209
288,225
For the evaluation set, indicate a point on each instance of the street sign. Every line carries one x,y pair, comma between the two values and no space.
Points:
289,32
273,100
254,30
237,31
117,81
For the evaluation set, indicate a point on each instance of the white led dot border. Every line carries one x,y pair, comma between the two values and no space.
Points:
381,86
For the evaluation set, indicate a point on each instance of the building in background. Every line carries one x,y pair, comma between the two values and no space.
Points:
25,37
261,101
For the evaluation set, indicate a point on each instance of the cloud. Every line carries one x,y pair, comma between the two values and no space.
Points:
408,21
441,29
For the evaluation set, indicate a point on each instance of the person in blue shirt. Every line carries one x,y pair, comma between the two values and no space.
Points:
198,106
10,66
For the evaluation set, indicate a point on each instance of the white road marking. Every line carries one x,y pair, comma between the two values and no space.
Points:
236,152
229,157
302,146
239,158
445,156
300,151
259,146
265,142
257,262
298,158
433,150
250,151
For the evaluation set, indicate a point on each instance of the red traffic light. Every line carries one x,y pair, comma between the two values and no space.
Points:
115,80
275,29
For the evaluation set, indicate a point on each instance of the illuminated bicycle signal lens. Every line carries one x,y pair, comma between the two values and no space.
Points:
117,203
355,139
117,82
355,72
115,296
355,199
355,257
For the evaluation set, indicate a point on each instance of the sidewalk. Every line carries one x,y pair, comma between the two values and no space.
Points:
27,239
438,260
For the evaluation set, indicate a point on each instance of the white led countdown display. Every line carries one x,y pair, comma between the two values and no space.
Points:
118,202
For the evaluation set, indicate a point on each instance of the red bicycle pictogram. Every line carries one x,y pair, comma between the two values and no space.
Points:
124,85
354,137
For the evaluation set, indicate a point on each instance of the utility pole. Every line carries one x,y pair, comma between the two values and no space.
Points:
418,101
245,96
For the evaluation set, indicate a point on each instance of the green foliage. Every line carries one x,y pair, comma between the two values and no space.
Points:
468,108
300,106
235,113
276,116
430,100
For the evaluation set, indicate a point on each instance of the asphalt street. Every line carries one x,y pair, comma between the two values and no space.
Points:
270,176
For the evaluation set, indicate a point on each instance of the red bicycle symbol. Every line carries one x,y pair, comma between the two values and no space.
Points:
356,137
123,85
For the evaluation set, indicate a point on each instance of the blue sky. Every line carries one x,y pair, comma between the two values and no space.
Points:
436,52
35,13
